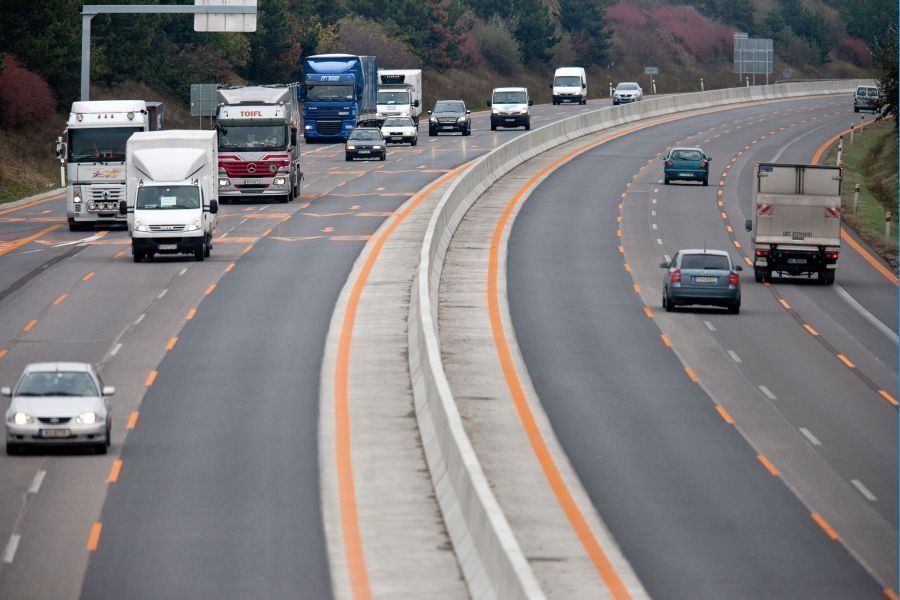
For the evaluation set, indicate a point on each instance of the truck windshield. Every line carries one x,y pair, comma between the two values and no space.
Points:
334,93
252,137
172,197
393,97
509,98
567,80
99,144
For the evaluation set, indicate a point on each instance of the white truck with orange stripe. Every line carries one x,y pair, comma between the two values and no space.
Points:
258,151
796,223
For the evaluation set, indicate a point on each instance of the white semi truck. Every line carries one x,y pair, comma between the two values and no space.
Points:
92,157
258,151
171,198
399,94
796,223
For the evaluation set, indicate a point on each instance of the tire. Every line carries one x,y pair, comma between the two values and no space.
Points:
735,307
527,125
706,182
666,180
827,277
414,142
13,449
855,109
348,158
667,303
200,253
431,132
137,255
207,249
493,127
383,156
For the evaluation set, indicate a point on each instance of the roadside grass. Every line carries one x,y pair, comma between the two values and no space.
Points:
871,162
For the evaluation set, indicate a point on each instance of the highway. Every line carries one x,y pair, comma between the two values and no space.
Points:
719,450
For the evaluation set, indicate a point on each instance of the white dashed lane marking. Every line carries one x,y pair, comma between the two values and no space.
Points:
9,554
35,486
768,394
809,436
863,490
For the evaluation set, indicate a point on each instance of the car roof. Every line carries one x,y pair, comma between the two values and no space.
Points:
628,83
674,148
365,129
58,366
703,251
511,89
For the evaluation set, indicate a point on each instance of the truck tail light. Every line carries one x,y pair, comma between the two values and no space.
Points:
833,255
733,278
762,252
676,276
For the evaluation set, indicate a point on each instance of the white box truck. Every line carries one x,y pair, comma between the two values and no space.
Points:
172,199
399,94
92,157
258,150
796,223
569,85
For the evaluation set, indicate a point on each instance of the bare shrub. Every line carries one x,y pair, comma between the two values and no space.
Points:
499,46
701,37
363,37
626,13
855,50
25,97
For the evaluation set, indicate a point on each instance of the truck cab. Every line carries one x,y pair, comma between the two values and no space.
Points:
338,94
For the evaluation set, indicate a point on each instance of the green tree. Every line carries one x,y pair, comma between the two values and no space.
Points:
886,53
585,20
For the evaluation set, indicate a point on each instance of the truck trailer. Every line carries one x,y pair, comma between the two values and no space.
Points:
796,223
399,94
171,201
338,95
91,152
258,151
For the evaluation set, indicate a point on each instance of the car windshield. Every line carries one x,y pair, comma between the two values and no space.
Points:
687,155
871,92
393,97
398,122
57,383
510,98
627,86
705,261
449,106
168,197
365,134
567,80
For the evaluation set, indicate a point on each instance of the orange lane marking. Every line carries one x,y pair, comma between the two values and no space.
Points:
784,303
619,233
30,325
890,594
768,465
229,267
725,215
132,420
88,276
648,312
729,229
94,537
118,255
3,353
725,416
810,329
114,471
846,361
266,232
30,204
719,192
621,205
353,550
21,242
824,525
248,248
691,374
628,267
737,244
624,194
621,249
637,288
720,202
619,219
191,313
171,343
666,340
150,379
883,393
210,289
59,300
748,261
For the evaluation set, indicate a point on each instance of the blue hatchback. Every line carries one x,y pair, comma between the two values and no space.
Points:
702,277
690,164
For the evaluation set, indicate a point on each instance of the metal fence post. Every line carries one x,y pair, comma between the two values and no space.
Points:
855,198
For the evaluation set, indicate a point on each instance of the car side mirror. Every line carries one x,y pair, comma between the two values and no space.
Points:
551,86
663,265
416,103
468,112
429,112
109,390
584,86
5,391
488,102
748,224
123,207
213,206
709,159
531,103
738,268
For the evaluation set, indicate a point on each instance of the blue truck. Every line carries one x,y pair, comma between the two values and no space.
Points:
338,93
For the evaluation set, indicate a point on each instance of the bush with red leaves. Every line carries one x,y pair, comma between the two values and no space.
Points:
856,51
24,96
626,13
701,37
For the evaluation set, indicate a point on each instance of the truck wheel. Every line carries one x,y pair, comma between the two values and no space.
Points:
827,277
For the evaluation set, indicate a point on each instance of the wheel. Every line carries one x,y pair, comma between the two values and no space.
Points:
855,109
706,181
493,127
735,307
431,132
666,181
207,248
138,255
383,156
414,142
13,449
527,125
667,303
348,158
827,277
199,253
584,101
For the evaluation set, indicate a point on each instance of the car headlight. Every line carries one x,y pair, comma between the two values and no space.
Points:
376,147
461,120
194,225
224,183
279,181
495,111
21,418
88,418
351,147
139,225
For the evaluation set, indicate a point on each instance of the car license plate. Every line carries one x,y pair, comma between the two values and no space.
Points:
446,126
363,151
54,433
797,261
684,174
397,138
252,181
705,279
509,120
168,246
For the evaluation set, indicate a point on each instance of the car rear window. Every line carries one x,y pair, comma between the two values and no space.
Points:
687,155
705,261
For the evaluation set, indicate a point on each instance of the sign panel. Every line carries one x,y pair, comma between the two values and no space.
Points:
203,99
651,70
226,21
753,56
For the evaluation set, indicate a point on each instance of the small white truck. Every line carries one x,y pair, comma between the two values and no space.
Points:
796,223
91,153
399,94
172,199
569,85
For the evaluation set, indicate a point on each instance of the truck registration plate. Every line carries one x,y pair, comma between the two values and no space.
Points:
797,261
55,433
252,181
168,246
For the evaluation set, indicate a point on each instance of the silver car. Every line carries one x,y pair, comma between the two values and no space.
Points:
702,277
628,91
58,403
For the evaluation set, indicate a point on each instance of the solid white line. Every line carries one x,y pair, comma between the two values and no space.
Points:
140,318
734,356
162,293
709,325
863,490
890,334
10,553
654,200
37,481
767,393
224,234
116,349
808,435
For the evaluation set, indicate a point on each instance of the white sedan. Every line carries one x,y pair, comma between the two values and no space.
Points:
400,130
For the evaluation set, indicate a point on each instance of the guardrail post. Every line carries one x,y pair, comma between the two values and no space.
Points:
852,128
701,85
653,85
887,227
840,156
862,122
747,81
610,89
855,198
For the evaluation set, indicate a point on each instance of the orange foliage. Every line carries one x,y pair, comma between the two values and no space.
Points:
626,13
700,36
24,96
856,50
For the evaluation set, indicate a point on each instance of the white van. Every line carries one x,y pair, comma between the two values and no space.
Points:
510,108
569,85
172,196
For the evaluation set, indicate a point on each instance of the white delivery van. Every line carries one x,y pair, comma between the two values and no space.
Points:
569,85
510,108
399,94
171,192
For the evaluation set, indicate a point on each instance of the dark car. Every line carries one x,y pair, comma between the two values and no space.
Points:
366,142
689,164
702,277
449,115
